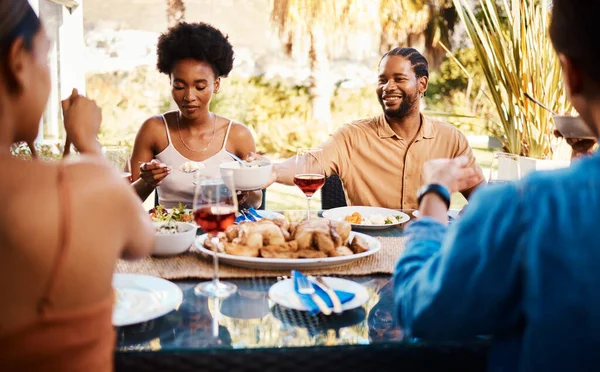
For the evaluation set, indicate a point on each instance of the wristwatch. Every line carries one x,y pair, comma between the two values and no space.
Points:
435,188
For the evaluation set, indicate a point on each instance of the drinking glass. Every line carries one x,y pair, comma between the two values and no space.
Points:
215,206
310,176
119,157
505,168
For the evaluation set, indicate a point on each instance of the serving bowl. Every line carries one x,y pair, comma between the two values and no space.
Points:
572,127
173,238
249,178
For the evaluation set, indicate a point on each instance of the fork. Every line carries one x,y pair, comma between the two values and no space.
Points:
305,287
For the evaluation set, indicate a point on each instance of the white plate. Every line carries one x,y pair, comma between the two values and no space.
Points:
269,214
143,297
291,263
282,293
338,214
454,213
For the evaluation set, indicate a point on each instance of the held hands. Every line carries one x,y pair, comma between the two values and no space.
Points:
82,119
154,172
580,147
454,174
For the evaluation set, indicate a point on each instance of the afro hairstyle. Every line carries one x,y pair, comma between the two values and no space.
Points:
199,41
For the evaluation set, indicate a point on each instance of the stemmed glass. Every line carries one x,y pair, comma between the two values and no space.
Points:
505,168
215,206
310,176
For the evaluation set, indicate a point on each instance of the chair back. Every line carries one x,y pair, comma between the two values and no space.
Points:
332,193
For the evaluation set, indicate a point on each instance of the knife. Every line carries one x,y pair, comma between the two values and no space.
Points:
335,300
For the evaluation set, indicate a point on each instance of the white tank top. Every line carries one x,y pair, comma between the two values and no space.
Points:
177,186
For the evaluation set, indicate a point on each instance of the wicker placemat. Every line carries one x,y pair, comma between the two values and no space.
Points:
196,265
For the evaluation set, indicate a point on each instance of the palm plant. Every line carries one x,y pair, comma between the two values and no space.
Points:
315,27
175,12
421,24
517,57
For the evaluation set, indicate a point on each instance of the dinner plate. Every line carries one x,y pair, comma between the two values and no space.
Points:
269,214
291,263
338,214
283,294
452,213
140,298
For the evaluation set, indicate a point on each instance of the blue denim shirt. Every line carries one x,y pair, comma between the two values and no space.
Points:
522,264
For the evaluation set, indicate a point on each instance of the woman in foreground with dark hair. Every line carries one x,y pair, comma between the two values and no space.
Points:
63,226
195,56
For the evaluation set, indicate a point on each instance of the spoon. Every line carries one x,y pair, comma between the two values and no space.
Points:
236,158
539,103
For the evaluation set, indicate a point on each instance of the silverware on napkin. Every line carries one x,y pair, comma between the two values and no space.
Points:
335,300
305,287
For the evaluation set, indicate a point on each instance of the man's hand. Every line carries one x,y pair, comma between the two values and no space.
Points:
580,147
454,174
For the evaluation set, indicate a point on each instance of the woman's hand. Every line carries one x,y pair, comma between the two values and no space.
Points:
579,146
154,172
82,122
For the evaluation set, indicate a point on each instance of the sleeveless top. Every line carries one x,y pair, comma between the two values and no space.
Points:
178,187
81,339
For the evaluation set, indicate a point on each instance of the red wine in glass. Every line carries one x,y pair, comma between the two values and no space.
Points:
309,183
216,218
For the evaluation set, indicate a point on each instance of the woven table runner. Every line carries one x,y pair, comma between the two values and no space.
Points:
195,264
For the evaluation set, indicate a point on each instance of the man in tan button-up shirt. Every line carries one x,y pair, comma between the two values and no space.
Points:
380,159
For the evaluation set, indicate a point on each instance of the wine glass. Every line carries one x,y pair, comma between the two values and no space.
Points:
310,176
215,206
505,168
119,157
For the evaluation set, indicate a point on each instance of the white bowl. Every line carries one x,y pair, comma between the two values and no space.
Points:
176,243
572,127
249,178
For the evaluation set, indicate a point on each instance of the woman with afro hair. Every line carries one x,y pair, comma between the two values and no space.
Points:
195,56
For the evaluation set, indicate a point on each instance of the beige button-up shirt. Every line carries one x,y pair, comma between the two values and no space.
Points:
380,168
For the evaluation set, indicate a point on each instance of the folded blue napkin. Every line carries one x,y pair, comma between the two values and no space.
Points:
307,300
248,215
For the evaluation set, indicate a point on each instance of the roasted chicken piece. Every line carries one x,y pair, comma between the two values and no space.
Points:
358,245
342,228
284,226
232,232
310,253
241,250
271,233
321,234
288,250
208,244
343,251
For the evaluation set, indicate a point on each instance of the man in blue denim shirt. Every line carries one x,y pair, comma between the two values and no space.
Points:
523,263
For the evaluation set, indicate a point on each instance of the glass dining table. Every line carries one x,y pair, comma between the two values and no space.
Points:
249,332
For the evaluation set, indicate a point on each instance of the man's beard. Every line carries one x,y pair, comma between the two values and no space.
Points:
408,105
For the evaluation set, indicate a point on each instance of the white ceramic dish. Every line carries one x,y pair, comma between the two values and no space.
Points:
282,293
141,298
249,178
338,214
174,244
291,263
452,213
572,127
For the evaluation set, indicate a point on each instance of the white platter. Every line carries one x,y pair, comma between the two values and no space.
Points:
282,293
291,263
452,214
141,298
338,214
